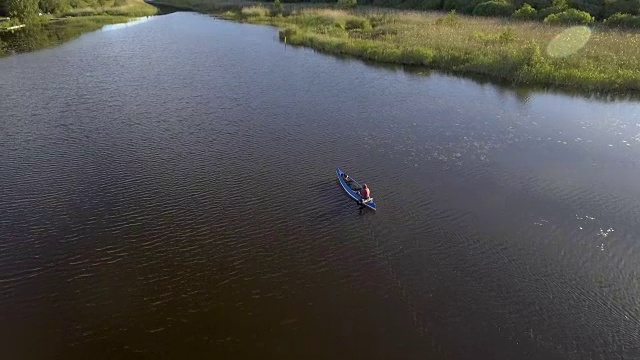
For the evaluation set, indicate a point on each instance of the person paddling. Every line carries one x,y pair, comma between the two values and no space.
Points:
365,193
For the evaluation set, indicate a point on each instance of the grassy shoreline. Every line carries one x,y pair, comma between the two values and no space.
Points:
582,59
51,30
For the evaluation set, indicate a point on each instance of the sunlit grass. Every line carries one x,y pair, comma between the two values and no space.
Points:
256,10
517,52
132,8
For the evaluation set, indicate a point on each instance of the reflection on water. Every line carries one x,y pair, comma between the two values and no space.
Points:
28,38
42,35
127,24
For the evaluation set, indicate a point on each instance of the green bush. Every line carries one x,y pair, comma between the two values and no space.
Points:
504,37
54,6
24,10
288,32
277,7
557,6
493,8
623,21
255,11
451,19
357,23
526,12
380,20
543,13
570,17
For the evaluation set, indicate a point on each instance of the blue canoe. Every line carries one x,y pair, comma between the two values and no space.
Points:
355,195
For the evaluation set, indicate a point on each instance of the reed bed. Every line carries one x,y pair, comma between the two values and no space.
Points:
503,49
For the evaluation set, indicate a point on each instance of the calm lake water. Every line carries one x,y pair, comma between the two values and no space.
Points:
168,190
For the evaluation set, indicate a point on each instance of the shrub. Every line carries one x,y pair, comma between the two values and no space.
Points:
255,11
277,7
357,23
493,8
451,19
504,37
507,36
526,12
623,21
557,6
570,17
379,20
288,32
54,6
383,32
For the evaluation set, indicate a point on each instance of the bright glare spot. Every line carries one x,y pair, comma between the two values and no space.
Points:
126,24
569,41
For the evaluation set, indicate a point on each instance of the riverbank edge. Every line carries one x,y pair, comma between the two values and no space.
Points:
80,25
525,68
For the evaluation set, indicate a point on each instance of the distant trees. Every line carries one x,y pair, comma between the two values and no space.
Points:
534,9
620,6
54,6
494,8
623,21
23,10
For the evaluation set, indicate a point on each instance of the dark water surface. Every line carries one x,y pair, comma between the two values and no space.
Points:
168,190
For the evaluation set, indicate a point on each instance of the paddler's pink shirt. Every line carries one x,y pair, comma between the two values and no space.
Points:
365,193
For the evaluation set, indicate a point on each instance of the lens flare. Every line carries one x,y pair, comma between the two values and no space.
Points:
569,41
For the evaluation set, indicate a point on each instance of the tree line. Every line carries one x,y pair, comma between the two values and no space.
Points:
581,11
597,9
